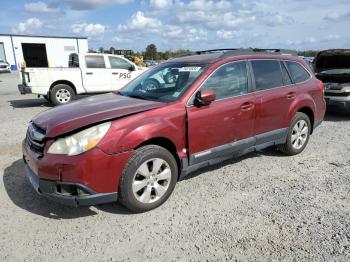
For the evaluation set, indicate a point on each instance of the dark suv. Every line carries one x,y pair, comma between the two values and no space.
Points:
182,115
333,68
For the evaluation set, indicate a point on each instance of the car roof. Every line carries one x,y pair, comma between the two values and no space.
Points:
214,55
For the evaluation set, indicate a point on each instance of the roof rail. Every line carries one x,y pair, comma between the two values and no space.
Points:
258,51
230,52
215,50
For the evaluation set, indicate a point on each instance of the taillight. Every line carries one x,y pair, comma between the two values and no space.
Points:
321,86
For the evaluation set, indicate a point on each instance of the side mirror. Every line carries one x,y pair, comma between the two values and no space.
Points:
132,68
204,97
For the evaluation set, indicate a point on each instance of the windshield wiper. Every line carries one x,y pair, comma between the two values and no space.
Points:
119,93
137,96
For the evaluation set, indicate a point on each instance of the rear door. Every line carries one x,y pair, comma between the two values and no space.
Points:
274,93
227,123
122,71
95,75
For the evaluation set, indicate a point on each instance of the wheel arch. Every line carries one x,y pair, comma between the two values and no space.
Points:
304,104
165,143
64,82
310,113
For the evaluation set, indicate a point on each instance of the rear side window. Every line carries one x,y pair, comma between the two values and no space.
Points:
297,72
229,80
267,74
94,61
73,60
118,63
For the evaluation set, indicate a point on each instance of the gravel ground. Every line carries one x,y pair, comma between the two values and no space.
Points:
264,206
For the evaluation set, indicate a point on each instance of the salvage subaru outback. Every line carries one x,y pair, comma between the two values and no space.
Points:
182,115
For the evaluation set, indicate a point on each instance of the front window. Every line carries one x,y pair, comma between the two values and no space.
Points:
228,81
164,83
119,63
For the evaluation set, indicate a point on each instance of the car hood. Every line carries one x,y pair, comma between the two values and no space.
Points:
66,118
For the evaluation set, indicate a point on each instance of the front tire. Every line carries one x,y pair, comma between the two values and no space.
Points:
61,94
298,135
148,179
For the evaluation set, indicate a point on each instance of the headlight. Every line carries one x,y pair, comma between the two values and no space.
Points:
80,142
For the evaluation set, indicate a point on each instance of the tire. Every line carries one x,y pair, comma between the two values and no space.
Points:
297,137
61,94
140,193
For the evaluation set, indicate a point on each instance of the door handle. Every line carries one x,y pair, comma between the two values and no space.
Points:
247,106
89,73
114,73
291,95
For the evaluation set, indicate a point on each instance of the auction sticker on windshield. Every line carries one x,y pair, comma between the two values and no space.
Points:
190,69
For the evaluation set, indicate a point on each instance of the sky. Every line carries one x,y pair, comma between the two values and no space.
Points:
185,24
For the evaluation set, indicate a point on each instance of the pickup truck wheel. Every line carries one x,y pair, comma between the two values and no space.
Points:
61,94
148,179
298,135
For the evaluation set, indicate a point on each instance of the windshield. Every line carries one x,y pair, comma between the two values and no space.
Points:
164,83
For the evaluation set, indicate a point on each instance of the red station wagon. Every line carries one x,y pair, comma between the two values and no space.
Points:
185,114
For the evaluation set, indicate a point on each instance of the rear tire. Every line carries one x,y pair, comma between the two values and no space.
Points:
148,179
298,135
61,94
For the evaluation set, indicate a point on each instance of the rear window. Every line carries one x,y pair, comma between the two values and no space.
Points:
297,72
73,60
267,74
94,61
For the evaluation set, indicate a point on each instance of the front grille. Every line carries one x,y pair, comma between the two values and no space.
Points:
3,66
344,94
35,139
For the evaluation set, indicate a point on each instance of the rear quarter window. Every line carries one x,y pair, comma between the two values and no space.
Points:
297,72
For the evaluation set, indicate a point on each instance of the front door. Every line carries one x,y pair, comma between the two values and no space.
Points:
121,73
227,124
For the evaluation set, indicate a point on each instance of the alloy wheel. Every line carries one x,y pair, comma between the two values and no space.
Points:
151,180
300,134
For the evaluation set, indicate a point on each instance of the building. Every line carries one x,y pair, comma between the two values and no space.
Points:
39,51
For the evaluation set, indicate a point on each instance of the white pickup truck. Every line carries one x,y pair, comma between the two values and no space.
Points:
85,74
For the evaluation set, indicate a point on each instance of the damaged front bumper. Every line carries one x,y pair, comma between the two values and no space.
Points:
71,194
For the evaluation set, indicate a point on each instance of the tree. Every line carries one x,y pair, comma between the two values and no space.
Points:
111,50
151,52
100,50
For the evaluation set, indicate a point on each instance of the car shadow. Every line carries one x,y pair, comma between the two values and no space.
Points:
22,194
26,103
37,102
336,116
